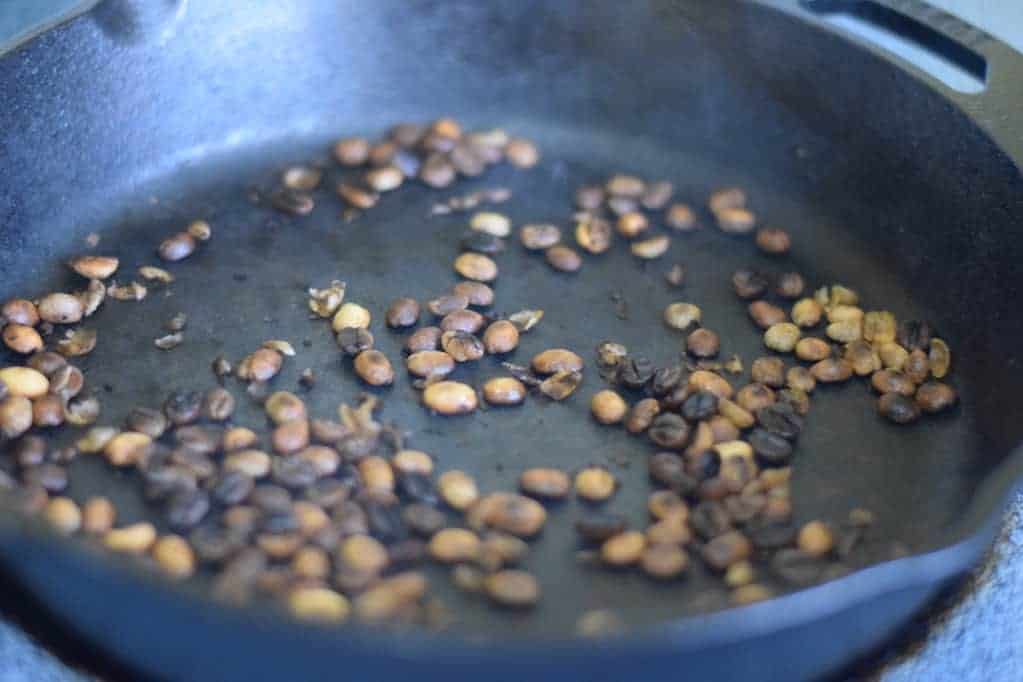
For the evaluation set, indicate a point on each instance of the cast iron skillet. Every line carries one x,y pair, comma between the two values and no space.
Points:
135,117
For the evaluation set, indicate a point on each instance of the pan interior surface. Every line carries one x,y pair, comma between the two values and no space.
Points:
881,198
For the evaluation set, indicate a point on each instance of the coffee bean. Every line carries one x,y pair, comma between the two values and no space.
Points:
682,316
770,447
680,217
504,391
700,405
547,483
476,267
635,372
599,526
462,346
595,484
669,470
898,408
476,293
468,321
749,284
481,243
430,363
20,311
354,340
815,539
797,567
563,259
642,415
669,431
830,371
703,343
374,368
608,407
934,396
403,312
773,240
623,549
790,285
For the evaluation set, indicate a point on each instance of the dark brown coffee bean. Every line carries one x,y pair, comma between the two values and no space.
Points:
186,509
447,304
898,408
710,519
468,321
28,451
477,293
272,499
669,431
501,336
666,380
294,472
934,396
887,381
700,405
144,420
47,411
418,488
232,487
771,535
218,404
765,315
199,439
600,526
462,346
354,340
213,544
797,567
914,335
726,550
790,285
669,470
749,284
403,312
770,447
183,407
425,338
780,420
753,397
917,367
642,415
423,519
635,372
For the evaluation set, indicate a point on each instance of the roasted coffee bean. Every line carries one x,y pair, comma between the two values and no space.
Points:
917,367
701,466
350,315
753,397
595,484
354,340
664,561
727,549
462,346
594,234
710,520
898,408
807,312
815,539
700,405
545,483
782,337
468,321
504,391
199,439
183,407
476,266
914,335
186,509
134,539
418,488
669,431
666,380
556,360
765,315
631,224
232,487
28,451
60,308
812,349
385,522
669,470
476,293
294,472
153,423
773,240
52,478
539,237
512,589
830,371
21,311
47,411
623,549
749,284
663,504
781,420
430,363
22,338
563,258
521,153
98,516
642,415
939,357
770,447
635,372
769,371
352,151
24,382
282,407
608,407
797,567
682,316
403,312
703,343
934,396
374,368
422,519
649,249
501,337
447,304
508,512
15,415
272,499
600,526
790,285
771,535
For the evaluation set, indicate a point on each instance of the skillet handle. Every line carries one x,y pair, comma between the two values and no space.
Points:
982,75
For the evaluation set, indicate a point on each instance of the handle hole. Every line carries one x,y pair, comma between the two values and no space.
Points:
948,60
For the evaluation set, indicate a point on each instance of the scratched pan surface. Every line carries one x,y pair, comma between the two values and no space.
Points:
913,209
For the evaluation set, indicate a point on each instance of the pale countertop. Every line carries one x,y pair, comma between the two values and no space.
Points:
976,634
